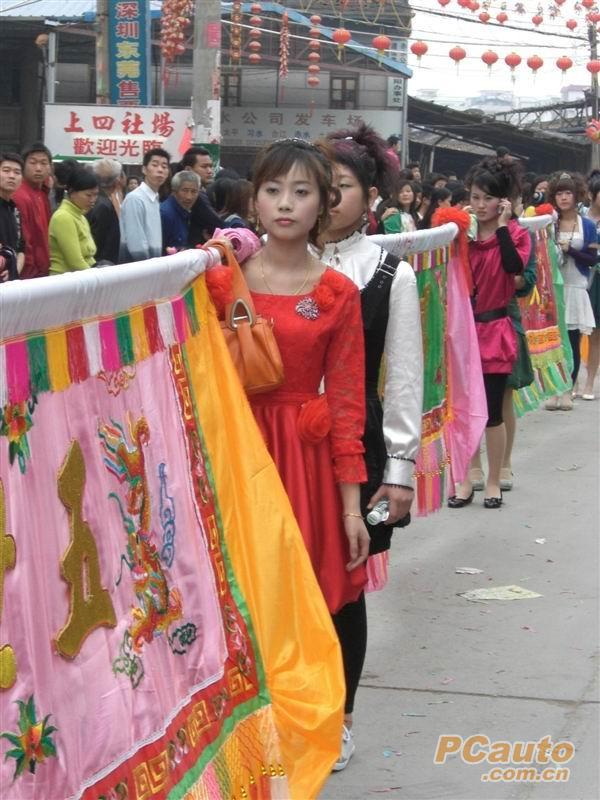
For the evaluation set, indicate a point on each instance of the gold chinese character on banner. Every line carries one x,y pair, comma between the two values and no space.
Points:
8,557
90,605
128,50
128,69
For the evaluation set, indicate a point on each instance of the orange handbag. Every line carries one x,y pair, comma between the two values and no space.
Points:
249,337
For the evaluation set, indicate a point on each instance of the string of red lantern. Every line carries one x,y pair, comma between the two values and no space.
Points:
254,34
235,50
314,57
534,63
175,17
284,45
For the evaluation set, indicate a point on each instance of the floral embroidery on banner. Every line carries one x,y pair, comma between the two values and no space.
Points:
15,421
33,744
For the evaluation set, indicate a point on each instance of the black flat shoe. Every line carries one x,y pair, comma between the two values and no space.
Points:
492,502
460,502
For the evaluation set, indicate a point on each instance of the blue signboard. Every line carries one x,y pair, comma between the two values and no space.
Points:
129,52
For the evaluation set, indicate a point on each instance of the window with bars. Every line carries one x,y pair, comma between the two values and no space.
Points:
231,88
343,92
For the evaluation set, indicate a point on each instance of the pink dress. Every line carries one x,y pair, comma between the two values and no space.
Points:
494,289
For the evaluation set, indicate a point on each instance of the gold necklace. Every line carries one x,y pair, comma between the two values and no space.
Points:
263,276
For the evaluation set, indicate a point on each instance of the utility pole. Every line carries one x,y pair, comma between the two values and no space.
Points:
593,37
206,76
102,77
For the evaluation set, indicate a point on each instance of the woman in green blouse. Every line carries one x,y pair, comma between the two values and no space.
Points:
71,244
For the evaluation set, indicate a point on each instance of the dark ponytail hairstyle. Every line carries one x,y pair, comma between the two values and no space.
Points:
77,178
363,151
497,177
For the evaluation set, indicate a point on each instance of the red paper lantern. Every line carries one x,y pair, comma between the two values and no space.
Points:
314,57
512,60
254,21
559,2
588,3
484,17
314,69
314,44
464,3
255,46
418,49
314,33
341,36
254,58
593,17
457,54
564,63
571,24
537,19
502,17
443,3
254,33
255,8
315,20
381,43
534,63
489,58
313,81
593,66
473,6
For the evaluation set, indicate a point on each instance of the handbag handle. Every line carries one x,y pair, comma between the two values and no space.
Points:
241,293
234,317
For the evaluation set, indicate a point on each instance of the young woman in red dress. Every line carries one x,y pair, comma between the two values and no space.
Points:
315,443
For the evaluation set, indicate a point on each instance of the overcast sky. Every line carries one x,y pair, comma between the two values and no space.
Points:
550,41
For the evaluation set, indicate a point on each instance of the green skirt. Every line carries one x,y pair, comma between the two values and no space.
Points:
522,371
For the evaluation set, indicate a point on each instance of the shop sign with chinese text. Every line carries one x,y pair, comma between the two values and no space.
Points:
253,127
129,52
91,131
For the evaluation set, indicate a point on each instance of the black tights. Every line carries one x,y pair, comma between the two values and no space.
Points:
575,341
351,626
494,384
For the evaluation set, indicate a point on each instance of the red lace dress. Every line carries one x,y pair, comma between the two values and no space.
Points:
320,336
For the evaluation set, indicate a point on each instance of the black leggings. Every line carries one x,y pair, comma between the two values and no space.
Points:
495,384
575,341
351,626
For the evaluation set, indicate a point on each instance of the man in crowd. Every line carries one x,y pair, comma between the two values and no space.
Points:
104,216
31,198
175,211
199,160
204,219
12,245
141,233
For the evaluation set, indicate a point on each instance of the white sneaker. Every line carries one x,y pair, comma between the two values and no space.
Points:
348,748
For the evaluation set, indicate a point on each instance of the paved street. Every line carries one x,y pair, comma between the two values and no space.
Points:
512,670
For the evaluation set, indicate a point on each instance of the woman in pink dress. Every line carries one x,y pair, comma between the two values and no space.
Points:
499,251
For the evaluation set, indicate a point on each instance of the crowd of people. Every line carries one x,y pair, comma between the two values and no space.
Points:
338,302
64,217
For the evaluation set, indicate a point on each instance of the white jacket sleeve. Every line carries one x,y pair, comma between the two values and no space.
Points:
403,399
